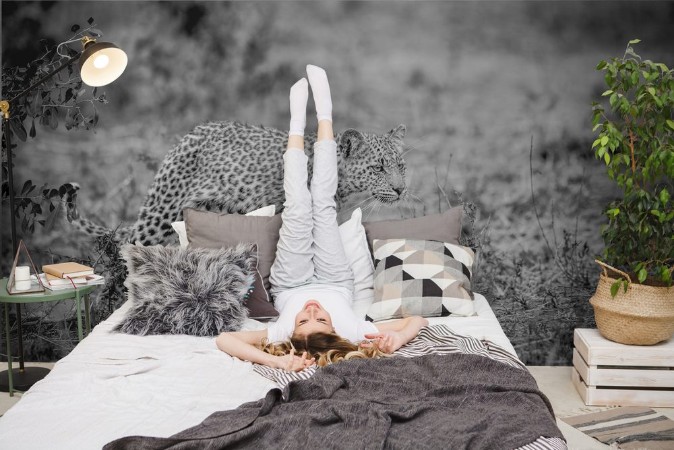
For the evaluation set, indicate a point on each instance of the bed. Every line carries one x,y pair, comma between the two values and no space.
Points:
460,379
114,385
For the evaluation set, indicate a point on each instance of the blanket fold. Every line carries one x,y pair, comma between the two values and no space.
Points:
432,401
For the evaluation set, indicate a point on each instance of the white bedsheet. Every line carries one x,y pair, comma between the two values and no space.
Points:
113,385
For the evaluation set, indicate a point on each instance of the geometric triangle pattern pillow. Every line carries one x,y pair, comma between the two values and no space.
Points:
415,277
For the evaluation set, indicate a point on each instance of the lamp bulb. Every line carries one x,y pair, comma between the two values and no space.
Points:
101,61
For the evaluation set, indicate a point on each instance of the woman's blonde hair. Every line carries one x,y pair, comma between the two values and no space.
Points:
326,348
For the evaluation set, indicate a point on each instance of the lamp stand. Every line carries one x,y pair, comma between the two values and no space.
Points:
92,75
23,377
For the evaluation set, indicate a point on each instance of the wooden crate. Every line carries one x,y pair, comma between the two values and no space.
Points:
607,373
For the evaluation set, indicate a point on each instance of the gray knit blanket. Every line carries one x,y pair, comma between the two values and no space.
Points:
455,400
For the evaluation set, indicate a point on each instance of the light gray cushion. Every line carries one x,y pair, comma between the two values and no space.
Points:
212,230
421,278
444,227
199,292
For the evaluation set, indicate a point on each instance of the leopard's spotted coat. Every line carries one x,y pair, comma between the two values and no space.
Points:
233,167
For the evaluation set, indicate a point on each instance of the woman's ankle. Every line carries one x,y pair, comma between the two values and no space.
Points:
325,132
296,142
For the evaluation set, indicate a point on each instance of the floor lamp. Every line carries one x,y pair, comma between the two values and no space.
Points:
100,63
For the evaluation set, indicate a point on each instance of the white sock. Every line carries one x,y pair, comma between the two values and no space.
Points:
299,94
321,89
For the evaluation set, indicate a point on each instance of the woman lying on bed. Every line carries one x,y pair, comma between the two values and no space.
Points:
311,280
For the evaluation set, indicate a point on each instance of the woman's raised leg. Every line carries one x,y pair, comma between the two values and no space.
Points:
330,262
293,265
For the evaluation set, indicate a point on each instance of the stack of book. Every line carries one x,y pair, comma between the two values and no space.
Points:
69,275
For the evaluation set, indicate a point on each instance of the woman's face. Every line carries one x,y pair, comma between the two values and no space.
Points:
313,319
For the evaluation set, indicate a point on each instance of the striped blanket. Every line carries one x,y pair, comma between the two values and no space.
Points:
635,427
435,339
456,392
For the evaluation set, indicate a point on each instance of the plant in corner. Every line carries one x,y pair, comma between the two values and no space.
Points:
634,302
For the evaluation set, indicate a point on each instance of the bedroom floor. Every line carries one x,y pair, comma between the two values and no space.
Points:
555,382
6,401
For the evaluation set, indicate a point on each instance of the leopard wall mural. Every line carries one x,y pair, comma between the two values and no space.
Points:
235,168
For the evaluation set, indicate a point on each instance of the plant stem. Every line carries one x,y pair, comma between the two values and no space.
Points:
634,162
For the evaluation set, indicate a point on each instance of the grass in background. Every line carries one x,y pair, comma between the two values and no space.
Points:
472,82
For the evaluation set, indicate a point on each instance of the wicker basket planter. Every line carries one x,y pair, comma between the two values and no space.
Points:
644,315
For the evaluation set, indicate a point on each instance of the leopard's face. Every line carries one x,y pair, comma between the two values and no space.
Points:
373,164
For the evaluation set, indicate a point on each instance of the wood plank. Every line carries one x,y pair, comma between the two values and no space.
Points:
593,396
601,376
598,351
626,397
632,377
581,367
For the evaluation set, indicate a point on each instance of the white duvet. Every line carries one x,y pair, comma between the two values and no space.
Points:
113,385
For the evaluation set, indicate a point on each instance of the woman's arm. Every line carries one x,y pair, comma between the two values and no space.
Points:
396,333
241,344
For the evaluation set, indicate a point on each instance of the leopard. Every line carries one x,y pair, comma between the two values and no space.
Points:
233,167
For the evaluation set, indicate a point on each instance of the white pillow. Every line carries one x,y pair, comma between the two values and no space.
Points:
179,227
357,252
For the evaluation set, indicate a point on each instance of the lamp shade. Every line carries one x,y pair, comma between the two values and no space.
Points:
102,63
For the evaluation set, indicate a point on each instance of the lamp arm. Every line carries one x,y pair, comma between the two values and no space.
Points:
45,78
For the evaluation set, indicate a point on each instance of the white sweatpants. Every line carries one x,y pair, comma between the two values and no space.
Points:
310,248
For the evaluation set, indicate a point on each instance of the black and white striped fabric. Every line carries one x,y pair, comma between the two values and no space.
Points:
543,443
439,340
435,339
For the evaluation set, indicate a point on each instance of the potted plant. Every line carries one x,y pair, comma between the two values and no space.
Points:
634,302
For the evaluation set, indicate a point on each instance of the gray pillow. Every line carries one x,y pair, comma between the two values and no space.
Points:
198,292
212,230
443,227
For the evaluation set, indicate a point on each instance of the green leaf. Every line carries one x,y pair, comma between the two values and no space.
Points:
664,196
651,90
670,123
604,141
614,288
642,274
596,142
601,65
607,158
605,93
634,41
665,274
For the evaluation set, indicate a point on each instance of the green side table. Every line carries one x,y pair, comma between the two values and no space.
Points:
47,296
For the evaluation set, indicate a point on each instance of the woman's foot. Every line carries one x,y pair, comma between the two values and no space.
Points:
321,90
299,94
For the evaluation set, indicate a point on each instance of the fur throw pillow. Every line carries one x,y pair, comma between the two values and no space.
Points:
194,291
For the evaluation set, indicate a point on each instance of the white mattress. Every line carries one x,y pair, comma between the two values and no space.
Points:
113,385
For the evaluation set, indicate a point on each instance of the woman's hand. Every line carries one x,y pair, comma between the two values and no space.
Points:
396,333
294,363
387,341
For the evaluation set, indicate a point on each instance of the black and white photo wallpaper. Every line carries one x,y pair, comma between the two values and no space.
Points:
495,98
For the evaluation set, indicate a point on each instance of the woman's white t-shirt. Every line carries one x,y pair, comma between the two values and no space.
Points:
336,300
